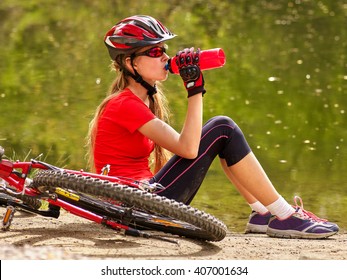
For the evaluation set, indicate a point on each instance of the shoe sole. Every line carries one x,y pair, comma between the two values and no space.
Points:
297,234
259,229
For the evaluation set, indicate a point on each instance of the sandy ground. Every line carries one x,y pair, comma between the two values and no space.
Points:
71,237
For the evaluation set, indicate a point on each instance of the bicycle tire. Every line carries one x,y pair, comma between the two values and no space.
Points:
29,201
132,217
207,227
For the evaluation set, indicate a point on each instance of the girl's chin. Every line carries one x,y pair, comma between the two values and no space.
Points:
162,78
166,76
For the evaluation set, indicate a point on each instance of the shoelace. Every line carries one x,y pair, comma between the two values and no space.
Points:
306,213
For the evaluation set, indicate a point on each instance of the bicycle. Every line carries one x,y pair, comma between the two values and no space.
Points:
128,206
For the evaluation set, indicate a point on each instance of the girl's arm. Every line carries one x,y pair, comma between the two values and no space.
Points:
184,144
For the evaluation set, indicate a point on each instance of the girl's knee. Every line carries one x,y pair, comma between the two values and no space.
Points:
222,120
236,146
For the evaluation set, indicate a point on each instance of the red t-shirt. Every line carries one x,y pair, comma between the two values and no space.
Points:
118,142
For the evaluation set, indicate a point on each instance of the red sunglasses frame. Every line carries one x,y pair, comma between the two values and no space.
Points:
154,52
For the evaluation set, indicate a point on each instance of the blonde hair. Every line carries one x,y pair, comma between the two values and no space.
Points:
158,107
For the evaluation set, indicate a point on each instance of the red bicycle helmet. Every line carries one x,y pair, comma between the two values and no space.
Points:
134,32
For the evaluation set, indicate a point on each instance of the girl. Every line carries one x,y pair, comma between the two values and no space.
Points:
132,122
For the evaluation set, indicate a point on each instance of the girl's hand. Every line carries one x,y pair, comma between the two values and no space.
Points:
188,63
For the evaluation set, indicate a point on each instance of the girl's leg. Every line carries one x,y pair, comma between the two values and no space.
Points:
251,180
183,177
247,195
255,205
221,136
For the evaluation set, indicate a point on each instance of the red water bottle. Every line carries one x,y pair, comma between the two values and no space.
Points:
209,59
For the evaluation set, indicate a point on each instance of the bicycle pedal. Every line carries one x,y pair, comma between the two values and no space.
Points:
8,217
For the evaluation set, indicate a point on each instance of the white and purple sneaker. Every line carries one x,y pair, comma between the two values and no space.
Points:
257,222
301,224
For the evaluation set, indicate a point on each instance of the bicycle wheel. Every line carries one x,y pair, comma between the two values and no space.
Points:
20,199
162,213
132,217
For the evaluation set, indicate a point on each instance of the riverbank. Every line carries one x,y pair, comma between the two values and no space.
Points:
71,237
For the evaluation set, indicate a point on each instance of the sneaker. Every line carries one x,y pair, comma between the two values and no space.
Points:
301,224
257,222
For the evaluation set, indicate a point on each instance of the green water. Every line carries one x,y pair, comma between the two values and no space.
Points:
284,83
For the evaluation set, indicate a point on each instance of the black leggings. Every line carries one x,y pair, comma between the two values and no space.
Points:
182,177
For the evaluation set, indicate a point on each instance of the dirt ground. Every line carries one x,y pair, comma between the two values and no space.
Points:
71,237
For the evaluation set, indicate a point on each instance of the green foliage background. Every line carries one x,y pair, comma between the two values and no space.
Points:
54,66
284,81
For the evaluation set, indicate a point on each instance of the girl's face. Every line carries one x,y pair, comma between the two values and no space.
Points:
150,63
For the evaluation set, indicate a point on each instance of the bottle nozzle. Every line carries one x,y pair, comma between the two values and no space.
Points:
168,65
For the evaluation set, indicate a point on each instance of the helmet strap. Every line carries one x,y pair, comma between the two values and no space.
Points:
151,90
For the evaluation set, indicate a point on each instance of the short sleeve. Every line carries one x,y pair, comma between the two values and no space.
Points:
129,111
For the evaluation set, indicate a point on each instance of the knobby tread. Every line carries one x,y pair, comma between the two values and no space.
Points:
215,229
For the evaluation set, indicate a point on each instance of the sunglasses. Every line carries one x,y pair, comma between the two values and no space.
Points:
153,52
